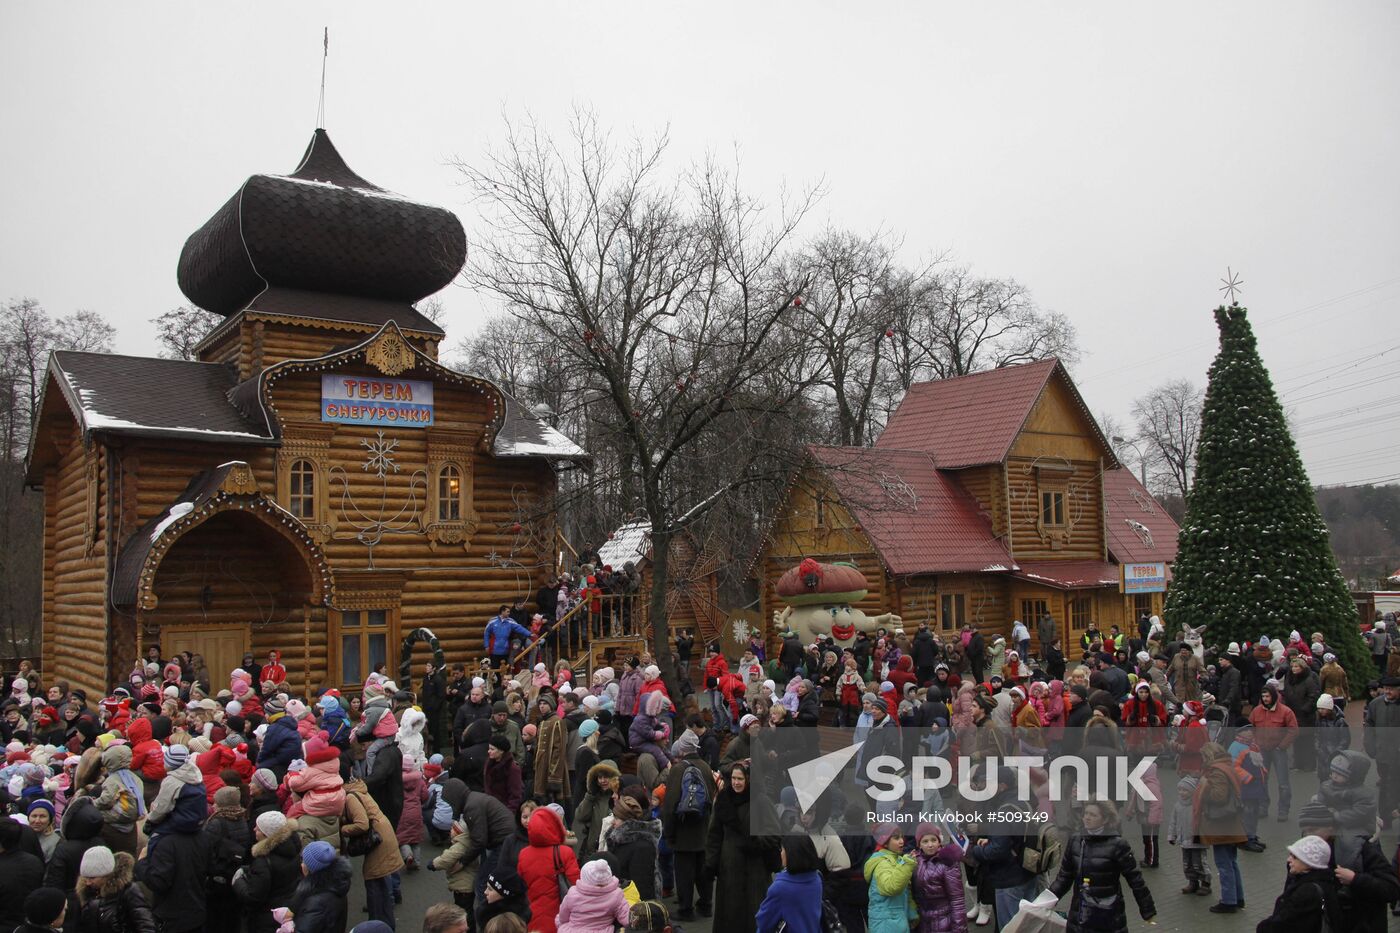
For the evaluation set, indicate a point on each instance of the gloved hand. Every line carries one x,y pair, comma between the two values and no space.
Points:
431,867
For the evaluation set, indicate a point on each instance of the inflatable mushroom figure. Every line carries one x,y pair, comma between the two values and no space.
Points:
819,601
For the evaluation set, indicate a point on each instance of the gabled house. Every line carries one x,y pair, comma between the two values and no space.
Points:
316,482
987,498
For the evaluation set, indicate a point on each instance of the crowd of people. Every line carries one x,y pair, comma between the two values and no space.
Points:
183,802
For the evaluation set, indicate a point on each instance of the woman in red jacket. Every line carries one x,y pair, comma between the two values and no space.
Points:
541,864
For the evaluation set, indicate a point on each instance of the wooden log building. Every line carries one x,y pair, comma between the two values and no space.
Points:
987,498
316,482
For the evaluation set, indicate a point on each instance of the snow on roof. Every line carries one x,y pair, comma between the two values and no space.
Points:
631,542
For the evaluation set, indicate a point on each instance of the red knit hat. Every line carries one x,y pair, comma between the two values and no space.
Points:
319,749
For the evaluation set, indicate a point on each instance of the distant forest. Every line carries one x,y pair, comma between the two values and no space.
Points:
1365,526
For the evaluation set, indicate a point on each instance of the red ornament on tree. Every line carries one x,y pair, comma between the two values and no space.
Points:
797,302
889,332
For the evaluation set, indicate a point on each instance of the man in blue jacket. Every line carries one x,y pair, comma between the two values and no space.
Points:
499,632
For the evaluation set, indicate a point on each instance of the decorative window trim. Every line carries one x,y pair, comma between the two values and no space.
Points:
450,449
310,442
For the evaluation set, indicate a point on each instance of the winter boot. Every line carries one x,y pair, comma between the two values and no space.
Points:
984,914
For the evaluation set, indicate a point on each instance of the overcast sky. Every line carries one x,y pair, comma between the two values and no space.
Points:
1113,157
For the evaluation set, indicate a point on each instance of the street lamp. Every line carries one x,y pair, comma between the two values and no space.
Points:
1142,462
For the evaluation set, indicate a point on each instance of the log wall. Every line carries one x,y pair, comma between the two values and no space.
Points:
75,564
1083,488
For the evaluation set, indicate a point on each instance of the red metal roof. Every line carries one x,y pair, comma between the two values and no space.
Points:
1139,530
968,420
918,519
1069,574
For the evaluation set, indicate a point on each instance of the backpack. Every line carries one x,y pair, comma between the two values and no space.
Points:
1040,853
225,858
694,800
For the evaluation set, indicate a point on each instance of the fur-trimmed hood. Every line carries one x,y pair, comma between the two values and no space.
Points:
114,883
265,846
620,834
601,769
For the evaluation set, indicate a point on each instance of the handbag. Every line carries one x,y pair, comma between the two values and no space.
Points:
559,877
356,844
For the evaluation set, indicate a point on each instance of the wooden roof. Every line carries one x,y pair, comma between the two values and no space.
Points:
918,519
1139,530
321,228
973,420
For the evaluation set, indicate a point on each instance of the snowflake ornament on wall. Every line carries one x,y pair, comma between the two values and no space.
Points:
381,454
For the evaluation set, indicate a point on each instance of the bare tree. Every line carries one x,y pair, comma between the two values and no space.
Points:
434,310
665,296
968,324
846,318
28,334
179,331
1169,427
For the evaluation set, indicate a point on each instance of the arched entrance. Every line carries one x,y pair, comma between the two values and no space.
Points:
220,572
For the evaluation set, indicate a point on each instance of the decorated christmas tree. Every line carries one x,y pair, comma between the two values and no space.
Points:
1254,557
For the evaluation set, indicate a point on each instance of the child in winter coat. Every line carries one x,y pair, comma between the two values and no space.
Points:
649,732
938,885
182,779
461,877
595,904
1254,784
1181,830
320,793
889,873
437,812
541,864
1148,814
410,829
849,688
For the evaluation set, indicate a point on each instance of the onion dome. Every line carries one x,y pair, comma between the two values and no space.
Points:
320,229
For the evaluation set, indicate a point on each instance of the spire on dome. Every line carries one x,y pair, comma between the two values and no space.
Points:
322,229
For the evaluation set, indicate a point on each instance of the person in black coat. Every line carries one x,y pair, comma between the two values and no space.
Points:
82,829
1094,864
632,842
319,903
112,902
227,838
1367,880
384,777
976,653
1309,888
433,698
175,870
272,873
923,650
20,873
44,911
505,894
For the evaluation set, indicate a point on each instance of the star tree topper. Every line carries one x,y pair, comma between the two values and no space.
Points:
1231,285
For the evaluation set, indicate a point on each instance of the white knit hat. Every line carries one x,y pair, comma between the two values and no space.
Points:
1325,702
270,822
1312,851
98,862
1234,649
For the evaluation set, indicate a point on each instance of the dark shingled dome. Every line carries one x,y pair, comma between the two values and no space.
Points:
321,229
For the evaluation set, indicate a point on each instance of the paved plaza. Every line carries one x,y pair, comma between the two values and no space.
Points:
1263,880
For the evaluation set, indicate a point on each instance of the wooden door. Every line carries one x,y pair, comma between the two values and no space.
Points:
223,646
